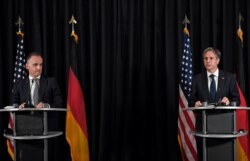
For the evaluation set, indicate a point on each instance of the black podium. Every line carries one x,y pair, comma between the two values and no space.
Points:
30,133
218,132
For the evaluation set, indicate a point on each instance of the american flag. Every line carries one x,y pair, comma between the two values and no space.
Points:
19,73
186,120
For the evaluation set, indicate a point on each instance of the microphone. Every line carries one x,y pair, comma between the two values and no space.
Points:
15,105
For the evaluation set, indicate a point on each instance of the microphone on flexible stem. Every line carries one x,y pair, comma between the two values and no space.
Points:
233,103
15,105
204,104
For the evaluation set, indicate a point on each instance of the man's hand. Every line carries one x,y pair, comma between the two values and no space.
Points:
225,100
197,104
22,105
40,105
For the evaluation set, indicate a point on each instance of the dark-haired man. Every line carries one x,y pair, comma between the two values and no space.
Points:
213,86
39,92
225,82
48,91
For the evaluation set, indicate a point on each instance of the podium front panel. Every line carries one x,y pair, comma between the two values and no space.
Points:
29,123
220,122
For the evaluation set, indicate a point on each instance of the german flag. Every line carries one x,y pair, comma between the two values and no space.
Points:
76,125
242,115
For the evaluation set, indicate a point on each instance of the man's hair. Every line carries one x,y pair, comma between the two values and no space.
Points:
32,54
214,50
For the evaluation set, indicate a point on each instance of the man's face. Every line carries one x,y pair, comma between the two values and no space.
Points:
211,61
35,66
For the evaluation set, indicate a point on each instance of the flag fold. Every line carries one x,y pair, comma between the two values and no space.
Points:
186,120
76,125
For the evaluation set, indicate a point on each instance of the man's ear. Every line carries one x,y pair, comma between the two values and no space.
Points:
218,61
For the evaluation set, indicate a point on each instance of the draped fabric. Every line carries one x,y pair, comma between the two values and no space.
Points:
76,125
243,144
128,64
19,73
186,120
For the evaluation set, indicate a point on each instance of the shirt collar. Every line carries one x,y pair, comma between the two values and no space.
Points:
216,73
30,77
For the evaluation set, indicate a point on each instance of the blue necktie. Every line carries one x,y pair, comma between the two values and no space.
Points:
212,88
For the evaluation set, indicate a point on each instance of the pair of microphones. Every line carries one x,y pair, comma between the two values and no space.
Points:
219,103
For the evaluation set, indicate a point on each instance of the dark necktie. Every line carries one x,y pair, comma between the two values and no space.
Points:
212,88
35,92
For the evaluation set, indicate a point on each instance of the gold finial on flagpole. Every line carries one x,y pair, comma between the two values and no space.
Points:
185,22
239,31
73,34
19,22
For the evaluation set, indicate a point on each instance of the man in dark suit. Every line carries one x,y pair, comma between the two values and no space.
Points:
213,86
225,83
47,95
49,91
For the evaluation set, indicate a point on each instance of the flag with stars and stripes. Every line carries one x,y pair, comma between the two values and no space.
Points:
186,119
19,73
20,70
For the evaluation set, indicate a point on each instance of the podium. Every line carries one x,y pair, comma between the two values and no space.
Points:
30,133
218,131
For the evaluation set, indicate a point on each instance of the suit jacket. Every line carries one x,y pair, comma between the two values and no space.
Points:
49,92
227,87
32,123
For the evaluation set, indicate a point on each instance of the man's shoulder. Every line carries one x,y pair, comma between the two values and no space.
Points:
200,75
21,81
48,80
225,73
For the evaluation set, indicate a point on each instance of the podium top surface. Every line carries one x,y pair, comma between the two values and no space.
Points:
12,109
212,107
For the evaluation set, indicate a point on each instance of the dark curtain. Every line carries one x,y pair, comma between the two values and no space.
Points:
128,64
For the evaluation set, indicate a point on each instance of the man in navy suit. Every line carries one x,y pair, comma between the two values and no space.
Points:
225,89
28,123
225,83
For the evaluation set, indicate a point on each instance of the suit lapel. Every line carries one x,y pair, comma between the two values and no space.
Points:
205,85
26,90
221,84
42,87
